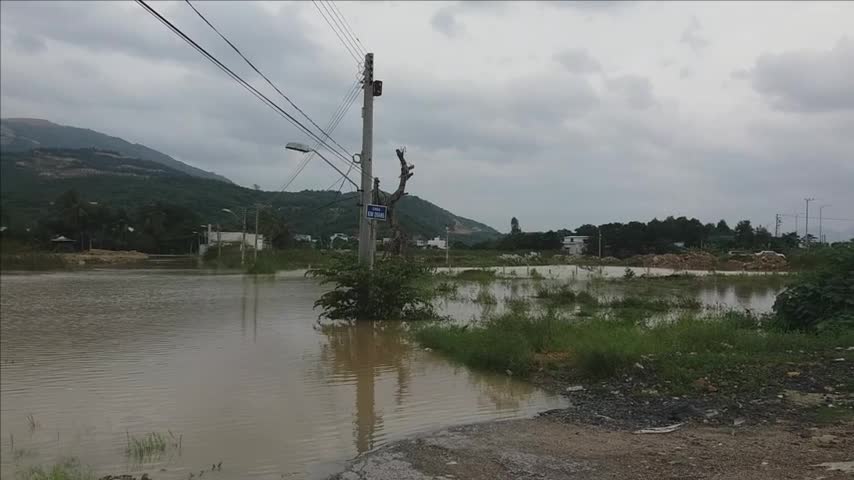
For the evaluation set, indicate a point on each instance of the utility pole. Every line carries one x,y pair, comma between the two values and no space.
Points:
448,246
820,236
777,223
366,247
218,243
807,222
243,241
255,253
600,242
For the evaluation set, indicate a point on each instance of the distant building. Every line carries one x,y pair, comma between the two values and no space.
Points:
437,242
231,238
301,237
574,244
342,238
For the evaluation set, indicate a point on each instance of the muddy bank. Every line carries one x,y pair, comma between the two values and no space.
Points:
103,257
545,448
786,429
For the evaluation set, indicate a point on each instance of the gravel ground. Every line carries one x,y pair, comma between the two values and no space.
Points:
543,448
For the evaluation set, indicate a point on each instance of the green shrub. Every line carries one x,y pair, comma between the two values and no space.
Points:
392,290
820,299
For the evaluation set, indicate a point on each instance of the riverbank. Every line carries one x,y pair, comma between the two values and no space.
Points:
65,261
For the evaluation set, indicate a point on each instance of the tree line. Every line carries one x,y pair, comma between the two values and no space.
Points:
158,227
656,236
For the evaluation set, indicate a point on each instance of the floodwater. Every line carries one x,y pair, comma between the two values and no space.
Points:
235,367
516,283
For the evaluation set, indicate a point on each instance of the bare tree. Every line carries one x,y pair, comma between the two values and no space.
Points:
398,236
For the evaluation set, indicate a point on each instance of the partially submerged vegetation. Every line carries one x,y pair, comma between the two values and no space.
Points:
584,337
393,290
65,469
151,445
732,348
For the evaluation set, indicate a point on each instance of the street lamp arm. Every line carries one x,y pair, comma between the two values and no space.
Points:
305,149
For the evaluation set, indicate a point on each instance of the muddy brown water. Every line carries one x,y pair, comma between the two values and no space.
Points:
236,367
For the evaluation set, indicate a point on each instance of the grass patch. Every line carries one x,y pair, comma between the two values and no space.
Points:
66,469
33,261
151,445
485,297
476,275
729,349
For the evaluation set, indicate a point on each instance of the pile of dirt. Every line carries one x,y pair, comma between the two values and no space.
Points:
762,263
682,261
104,257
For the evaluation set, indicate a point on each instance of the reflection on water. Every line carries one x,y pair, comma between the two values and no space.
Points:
239,366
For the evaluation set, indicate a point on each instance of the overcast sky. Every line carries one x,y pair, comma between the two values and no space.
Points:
557,113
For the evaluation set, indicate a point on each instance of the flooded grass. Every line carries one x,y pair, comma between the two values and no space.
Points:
730,345
66,469
151,444
476,275
485,296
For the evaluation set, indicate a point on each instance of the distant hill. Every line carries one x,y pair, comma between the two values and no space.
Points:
21,134
30,180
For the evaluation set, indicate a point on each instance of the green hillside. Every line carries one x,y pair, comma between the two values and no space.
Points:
22,134
30,181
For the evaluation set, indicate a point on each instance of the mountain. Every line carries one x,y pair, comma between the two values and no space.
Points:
21,134
30,180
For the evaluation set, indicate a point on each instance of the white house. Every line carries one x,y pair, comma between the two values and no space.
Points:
229,238
574,244
437,242
301,237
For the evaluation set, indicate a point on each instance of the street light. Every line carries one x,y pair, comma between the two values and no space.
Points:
243,240
301,147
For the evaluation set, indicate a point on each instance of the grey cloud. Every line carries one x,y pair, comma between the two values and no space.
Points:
577,61
634,90
445,21
808,81
686,72
26,43
693,37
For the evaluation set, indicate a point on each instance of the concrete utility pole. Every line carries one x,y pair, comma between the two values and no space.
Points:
600,242
777,222
807,222
366,246
255,253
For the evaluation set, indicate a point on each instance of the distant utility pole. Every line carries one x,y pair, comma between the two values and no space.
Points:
820,236
448,246
777,222
255,253
600,242
366,246
243,241
807,222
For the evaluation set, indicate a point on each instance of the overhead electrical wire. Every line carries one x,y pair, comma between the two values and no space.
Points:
347,24
347,46
334,121
348,36
263,98
259,72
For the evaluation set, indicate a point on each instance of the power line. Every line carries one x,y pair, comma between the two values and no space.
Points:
264,99
333,124
348,36
334,30
344,19
237,50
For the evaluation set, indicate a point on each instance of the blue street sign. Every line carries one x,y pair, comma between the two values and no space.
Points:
377,212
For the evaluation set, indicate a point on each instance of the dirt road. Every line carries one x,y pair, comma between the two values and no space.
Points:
543,448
